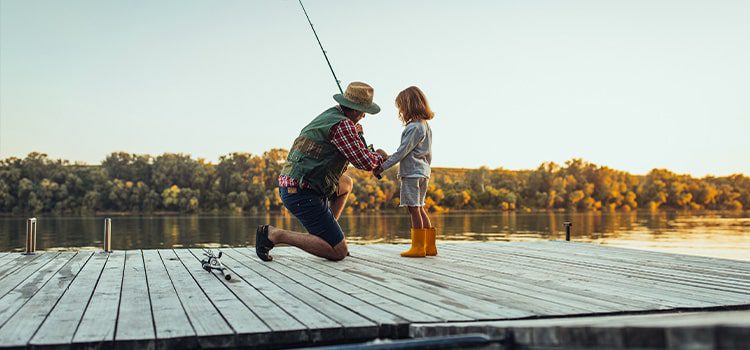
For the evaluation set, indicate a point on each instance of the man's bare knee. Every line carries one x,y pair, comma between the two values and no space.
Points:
337,257
340,251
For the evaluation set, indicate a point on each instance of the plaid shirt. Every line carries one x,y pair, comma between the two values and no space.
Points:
345,137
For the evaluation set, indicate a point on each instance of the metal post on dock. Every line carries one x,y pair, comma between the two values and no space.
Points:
30,236
107,241
567,225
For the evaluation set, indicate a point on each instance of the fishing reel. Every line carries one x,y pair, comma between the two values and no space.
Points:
213,262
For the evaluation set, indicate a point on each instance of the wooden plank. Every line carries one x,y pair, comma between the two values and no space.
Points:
702,262
173,328
699,265
476,305
319,326
659,267
210,327
249,328
135,323
354,326
618,282
280,303
708,262
641,271
448,305
376,316
506,284
12,262
405,306
285,328
28,265
16,298
97,326
61,324
400,313
8,262
524,300
704,298
600,280
21,327
542,275
386,323
5,258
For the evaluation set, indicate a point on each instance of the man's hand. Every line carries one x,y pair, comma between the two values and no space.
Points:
377,172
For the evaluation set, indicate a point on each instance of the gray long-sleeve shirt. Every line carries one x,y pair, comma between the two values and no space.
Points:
415,151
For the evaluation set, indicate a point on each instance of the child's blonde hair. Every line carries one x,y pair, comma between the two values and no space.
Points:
412,105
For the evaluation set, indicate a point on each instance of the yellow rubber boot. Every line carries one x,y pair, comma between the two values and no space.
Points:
417,244
429,242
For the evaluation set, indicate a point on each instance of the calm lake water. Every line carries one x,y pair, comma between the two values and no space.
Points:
717,234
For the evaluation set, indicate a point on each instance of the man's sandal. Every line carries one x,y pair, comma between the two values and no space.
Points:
263,245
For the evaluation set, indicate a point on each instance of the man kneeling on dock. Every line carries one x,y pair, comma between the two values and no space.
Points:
312,183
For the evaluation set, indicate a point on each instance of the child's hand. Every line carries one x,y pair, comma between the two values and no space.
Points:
358,127
382,154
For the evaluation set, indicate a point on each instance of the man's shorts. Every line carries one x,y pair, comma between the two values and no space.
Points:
313,212
413,191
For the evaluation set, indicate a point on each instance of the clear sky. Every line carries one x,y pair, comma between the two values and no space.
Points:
631,84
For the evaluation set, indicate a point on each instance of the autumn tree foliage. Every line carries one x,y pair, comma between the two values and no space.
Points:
244,182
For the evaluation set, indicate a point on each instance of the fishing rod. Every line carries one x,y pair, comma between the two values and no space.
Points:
338,82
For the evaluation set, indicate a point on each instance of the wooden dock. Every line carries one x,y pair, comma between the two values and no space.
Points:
164,299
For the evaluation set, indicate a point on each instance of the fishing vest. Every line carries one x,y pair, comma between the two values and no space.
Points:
314,159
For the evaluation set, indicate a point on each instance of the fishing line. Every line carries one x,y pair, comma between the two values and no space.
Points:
338,82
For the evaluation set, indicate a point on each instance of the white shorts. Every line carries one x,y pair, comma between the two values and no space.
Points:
413,191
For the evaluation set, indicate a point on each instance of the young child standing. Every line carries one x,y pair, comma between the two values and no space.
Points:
415,156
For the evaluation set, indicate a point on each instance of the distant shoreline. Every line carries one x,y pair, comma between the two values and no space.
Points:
246,183
375,212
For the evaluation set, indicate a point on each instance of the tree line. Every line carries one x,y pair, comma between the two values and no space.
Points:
243,182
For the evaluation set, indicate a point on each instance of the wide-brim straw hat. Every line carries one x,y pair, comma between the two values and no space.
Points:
358,96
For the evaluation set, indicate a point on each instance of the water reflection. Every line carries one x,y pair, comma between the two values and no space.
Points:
723,234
